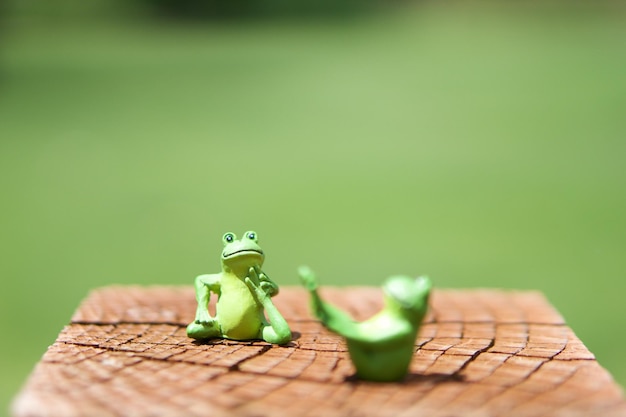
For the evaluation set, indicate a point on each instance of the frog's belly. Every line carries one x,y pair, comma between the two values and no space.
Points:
239,316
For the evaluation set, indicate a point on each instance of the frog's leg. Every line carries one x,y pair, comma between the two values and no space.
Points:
204,326
330,316
277,330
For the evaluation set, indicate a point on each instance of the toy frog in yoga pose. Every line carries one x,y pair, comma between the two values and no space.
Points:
381,347
243,293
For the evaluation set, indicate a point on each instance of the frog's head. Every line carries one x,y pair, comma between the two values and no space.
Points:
241,254
407,295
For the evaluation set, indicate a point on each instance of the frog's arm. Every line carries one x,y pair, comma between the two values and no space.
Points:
204,285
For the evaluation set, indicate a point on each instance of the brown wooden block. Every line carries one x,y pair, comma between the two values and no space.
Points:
480,353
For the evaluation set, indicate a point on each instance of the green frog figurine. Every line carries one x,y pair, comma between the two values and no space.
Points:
381,347
243,295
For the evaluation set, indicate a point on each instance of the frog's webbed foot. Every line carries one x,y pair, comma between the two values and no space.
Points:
203,330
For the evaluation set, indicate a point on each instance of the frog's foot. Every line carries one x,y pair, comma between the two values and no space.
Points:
278,334
201,331
308,278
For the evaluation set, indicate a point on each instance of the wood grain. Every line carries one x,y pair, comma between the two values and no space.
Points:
479,353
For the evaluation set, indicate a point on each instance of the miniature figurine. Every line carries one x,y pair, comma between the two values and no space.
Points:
381,347
243,293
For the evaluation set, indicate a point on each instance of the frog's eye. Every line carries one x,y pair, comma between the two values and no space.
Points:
228,237
252,236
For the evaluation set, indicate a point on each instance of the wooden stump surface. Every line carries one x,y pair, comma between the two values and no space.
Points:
479,353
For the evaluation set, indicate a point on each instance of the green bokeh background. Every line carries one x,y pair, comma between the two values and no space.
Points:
483,144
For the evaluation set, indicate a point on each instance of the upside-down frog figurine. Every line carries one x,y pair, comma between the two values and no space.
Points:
381,347
243,294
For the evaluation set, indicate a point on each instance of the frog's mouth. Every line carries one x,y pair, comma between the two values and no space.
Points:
242,252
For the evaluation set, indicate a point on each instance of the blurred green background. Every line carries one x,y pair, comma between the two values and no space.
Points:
481,143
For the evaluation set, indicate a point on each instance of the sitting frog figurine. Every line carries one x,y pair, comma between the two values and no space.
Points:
243,293
381,347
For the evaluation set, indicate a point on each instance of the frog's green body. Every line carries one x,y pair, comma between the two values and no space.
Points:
240,315
382,347
243,297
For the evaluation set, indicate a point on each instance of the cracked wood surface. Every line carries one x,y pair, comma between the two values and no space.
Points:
479,353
